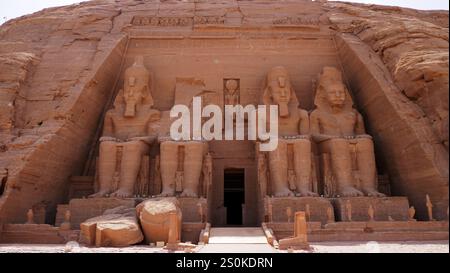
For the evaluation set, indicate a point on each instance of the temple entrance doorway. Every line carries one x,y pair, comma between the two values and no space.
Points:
234,195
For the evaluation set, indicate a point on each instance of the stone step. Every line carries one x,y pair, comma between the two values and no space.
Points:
237,248
240,235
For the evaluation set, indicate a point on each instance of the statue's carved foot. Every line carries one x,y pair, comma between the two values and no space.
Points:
373,193
284,193
306,193
350,192
122,193
99,194
167,194
188,193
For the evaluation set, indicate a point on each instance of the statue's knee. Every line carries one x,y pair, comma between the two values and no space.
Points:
338,144
132,146
338,141
303,144
168,145
365,144
107,146
194,145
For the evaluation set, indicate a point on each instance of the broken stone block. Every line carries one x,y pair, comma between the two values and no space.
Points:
117,227
154,215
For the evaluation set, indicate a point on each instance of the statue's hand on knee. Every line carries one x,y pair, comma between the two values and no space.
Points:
108,138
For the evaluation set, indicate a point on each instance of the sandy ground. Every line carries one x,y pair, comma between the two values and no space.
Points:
331,247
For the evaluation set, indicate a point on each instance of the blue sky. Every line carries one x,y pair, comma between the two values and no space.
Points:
10,9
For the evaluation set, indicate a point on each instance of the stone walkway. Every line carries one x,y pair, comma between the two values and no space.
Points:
329,247
237,240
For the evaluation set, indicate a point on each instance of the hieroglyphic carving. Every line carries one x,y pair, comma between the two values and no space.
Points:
209,20
173,21
161,21
302,20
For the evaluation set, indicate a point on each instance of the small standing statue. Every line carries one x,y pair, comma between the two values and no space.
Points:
201,211
262,174
330,215
371,213
30,217
270,210
66,224
289,214
207,174
348,209
307,213
157,175
411,213
430,208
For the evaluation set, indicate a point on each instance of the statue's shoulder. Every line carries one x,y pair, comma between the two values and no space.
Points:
302,112
110,113
356,113
154,113
315,113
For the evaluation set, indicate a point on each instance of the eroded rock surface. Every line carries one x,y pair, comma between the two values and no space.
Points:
117,227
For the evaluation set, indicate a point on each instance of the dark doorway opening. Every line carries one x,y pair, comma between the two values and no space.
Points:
2,184
234,195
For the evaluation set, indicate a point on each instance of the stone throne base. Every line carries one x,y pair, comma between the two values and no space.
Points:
390,220
318,208
384,208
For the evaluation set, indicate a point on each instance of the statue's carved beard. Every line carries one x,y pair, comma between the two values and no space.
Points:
130,109
283,109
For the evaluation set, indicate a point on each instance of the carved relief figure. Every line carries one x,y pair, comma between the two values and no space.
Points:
231,91
262,174
126,128
207,174
290,163
338,129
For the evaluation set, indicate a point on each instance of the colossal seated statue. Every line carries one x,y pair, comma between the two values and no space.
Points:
290,163
338,129
126,129
183,163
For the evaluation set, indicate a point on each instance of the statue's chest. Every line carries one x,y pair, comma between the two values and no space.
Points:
344,121
289,122
137,122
